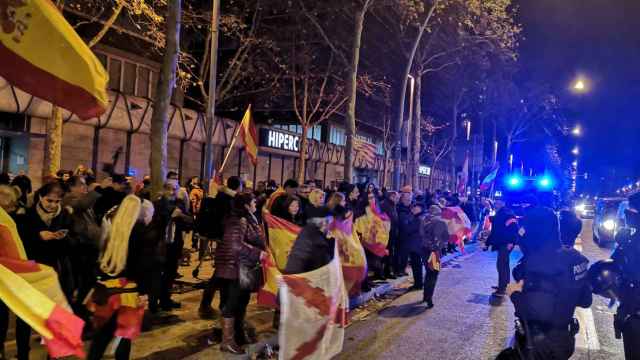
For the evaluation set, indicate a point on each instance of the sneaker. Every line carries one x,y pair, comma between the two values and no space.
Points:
429,304
170,305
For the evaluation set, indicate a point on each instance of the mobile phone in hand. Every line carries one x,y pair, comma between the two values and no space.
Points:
62,232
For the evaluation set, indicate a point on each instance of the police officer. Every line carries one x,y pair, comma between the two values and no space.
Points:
504,233
619,278
551,281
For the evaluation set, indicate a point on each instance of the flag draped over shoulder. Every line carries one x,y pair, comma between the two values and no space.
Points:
33,293
249,136
41,54
373,228
313,317
282,235
458,224
352,256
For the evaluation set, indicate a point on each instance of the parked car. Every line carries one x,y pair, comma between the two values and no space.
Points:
607,222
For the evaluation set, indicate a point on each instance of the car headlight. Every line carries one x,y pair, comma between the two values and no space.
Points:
580,208
609,225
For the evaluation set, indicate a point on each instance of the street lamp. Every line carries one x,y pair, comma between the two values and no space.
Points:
580,85
575,151
576,131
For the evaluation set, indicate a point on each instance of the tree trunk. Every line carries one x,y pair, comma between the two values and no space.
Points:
385,169
166,84
417,122
433,171
302,160
403,94
53,143
352,88
454,138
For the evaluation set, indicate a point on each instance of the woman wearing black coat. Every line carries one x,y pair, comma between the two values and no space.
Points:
43,230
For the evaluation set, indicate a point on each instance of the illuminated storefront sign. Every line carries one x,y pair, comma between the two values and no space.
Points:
279,140
424,170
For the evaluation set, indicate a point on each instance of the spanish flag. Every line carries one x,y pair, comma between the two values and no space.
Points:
41,54
282,235
33,293
373,228
249,136
352,256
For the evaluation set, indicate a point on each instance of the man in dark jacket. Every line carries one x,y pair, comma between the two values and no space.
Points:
312,249
85,233
113,191
404,232
551,281
504,233
570,227
414,244
434,234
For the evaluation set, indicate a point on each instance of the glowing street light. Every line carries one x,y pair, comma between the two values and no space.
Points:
576,131
579,85
575,151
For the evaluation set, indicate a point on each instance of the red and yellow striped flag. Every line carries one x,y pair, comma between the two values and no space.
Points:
41,54
32,292
373,228
352,256
282,235
249,136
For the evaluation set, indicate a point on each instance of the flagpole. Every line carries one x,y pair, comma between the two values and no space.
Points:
211,101
233,140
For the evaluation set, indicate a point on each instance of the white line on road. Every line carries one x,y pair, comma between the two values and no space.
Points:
587,336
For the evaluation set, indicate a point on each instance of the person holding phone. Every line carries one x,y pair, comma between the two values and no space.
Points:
44,230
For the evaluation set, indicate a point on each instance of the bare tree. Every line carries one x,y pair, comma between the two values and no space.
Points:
166,85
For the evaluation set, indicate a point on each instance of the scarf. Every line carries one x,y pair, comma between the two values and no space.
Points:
45,216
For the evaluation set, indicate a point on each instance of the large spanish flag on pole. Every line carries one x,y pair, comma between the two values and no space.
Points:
249,136
33,293
41,54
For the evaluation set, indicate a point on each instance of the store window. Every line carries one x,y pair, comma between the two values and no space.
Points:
143,82
115,74
337,136
129,83
315,133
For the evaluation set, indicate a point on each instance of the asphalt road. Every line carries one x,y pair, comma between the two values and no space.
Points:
466,322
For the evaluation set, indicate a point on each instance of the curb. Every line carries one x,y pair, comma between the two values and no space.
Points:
388,286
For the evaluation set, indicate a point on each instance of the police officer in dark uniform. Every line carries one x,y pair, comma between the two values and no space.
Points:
551,281
619,279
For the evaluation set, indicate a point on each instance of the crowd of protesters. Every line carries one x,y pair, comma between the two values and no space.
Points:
62,225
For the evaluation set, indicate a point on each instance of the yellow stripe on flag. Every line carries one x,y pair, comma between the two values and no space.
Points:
42,54
249,136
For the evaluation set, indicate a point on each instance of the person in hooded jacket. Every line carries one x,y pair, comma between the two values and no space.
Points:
570,226
434,234
504,234
551,281
414,244
405,218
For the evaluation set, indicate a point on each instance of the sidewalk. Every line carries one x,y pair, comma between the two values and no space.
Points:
182,334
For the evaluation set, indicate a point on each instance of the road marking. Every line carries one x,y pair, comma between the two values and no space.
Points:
587,337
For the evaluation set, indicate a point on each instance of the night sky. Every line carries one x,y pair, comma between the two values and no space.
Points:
599,39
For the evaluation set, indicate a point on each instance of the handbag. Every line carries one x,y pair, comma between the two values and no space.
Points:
250,276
